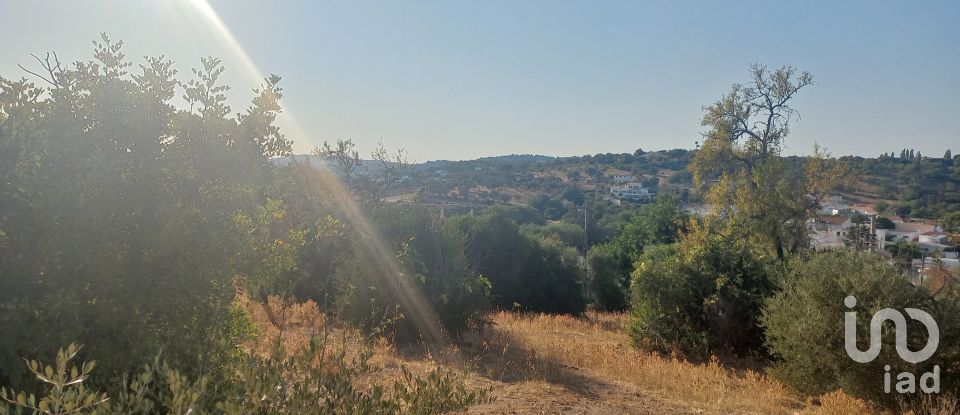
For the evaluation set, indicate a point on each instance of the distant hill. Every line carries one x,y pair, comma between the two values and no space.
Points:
510,158
519,157
318,161
926,187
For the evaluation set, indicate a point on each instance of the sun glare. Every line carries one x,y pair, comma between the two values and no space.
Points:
425,317
215,28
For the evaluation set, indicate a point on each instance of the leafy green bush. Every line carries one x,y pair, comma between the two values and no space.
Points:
425,281
656,223
120,212
554,279
66,393
130,224
526,272
496,249
699,297
316,381
805,324
612,263
569,233
609,282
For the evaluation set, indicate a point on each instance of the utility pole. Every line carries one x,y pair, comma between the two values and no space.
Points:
586,226
586,229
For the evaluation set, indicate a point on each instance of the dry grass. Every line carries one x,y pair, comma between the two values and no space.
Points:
839,403
539,363
932,405
557,348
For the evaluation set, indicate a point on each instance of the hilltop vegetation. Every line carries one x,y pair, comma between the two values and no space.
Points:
921,187
909,185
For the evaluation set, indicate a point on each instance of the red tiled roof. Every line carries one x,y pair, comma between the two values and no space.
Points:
939,278
833,220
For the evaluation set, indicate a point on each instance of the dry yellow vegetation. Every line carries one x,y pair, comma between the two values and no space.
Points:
596,346
547,364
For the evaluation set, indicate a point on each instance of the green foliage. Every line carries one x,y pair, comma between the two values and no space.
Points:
741,173
554,280
928,188
570,234
437,393
805,323
608,280
700,297
431,262
342,155
574,195
885,223
611,263
951,222
903,253
520,214
65,390
661,300
120,210
858,236
858,218
324,383
270,248
529,272
498,251
656,223
130,224
550,208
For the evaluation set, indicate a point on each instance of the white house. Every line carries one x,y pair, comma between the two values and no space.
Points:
933,237
624,178
634,191
829,231
910,232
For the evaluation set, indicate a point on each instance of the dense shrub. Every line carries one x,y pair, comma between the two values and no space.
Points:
528,273
700,297
569,233
656,223
410,266
612,263
608,280
498,251
521,214
554,279
124,218
130,225
805,324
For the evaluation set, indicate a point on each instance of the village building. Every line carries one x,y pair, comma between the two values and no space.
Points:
631,191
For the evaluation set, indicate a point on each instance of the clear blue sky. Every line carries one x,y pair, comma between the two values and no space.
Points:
460,80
